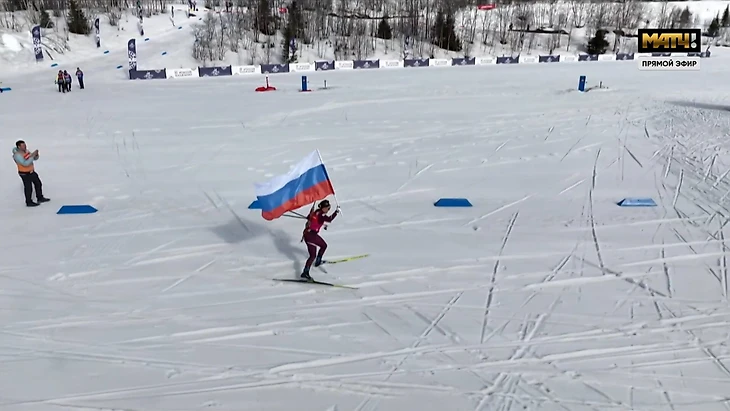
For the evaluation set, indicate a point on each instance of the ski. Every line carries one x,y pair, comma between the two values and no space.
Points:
291,280
344,260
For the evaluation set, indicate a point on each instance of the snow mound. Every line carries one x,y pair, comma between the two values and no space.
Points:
10,43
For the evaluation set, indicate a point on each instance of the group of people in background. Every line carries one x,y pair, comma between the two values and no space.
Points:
63,79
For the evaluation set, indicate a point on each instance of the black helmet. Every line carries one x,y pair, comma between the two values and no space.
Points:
324,204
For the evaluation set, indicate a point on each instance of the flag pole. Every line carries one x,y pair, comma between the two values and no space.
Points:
328,179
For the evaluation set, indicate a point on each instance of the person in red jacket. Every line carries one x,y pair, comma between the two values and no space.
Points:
315,222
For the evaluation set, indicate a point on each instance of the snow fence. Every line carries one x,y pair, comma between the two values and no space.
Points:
323,65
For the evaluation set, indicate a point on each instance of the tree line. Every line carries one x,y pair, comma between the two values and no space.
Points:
271,31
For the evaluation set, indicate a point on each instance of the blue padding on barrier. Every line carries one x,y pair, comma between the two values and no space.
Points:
452,202
118,67
164,53
76,209
106,51
4,89
54,65
636,202
255,205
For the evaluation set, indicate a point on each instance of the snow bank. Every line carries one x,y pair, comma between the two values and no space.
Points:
10,43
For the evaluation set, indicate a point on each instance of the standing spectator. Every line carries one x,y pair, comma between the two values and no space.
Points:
61,81
80,77
67,77
24,160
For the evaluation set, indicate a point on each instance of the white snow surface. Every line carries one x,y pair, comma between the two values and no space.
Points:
10,43
543,296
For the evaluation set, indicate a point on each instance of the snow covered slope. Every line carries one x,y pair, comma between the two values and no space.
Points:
164,33
174,36
544,295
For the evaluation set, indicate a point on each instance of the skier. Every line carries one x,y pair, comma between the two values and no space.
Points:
24,160
315,222
80,77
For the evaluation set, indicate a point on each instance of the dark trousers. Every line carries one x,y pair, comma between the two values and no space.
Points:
81,82
31,180
313,240
61,87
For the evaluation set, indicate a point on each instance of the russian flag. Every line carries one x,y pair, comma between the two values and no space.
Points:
306,183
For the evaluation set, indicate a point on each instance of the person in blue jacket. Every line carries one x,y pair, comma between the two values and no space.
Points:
80,77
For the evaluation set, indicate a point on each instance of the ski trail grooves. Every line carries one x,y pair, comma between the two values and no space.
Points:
518,354
493,280
418,341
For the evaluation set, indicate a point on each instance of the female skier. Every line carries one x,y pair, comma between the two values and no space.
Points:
315,221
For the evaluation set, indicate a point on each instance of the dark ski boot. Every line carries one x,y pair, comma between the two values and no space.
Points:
305,275
318,262
44,200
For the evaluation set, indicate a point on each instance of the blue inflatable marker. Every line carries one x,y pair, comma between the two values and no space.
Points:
304,83
77,209
164,53
147,39
255,205
118,67
54,65
582,84
179,28
452,202
106,51
637,202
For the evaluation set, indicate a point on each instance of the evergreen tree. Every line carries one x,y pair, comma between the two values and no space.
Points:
294,30
384,31
726,17
438,26
444,33
296,21
714,28
263,21
685,18
77,21
287,56
15,5
453,43
46,21
598,44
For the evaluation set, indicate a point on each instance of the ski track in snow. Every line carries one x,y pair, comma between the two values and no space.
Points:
544,295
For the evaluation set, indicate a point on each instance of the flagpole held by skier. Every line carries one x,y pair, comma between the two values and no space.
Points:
306,183
330,182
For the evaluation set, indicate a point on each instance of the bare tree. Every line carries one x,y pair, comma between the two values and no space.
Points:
504,22
628,14
599,17
579,9
345,29
553,42
207,46
663,16
467,32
